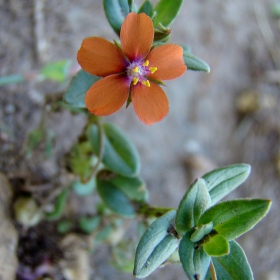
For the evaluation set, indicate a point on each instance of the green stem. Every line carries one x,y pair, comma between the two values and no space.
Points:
100,153
130,4
150,211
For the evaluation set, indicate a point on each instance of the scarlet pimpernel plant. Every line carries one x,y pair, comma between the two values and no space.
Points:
202,230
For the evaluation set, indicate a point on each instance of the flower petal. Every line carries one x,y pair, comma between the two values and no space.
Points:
100,57
169,62
137,35
107,95
150,103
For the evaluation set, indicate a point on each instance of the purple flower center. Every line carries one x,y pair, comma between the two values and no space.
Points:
138,71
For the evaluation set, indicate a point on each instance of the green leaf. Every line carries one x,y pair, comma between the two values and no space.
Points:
155,246
114,199
194,203
59,206
56,71
89,224
233,218
194,260
146,8
201,231
233,266
134,188
160,254
216,246
220,182
84,189
193,62
166,11
120,155
79,85
116,11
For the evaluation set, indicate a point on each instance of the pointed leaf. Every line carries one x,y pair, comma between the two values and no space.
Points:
220,182
233,218
216,246
194,260
160,254
146,8
233,266
76,92
134,188
114,199
120,155
116,11
193,62
166,11
194,203
155,246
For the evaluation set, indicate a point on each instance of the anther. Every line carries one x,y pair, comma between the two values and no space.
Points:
135,70
153,69
135,81
146,83
146,63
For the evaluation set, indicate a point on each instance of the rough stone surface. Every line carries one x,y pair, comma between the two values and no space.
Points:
8,233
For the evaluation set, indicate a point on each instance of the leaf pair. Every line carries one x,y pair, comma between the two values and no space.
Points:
118,185
163,13
155,246
207,232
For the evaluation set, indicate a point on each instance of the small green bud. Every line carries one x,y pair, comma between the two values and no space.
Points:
162,33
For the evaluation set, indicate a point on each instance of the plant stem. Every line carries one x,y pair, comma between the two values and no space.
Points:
100,153
212,271
130,4
150,211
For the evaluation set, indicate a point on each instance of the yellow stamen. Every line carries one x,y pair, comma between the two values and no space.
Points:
146,63
135,81
153,69
146,83
136,69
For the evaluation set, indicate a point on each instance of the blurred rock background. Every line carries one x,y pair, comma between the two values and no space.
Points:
228,116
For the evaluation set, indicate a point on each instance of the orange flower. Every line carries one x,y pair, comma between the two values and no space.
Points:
132,71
